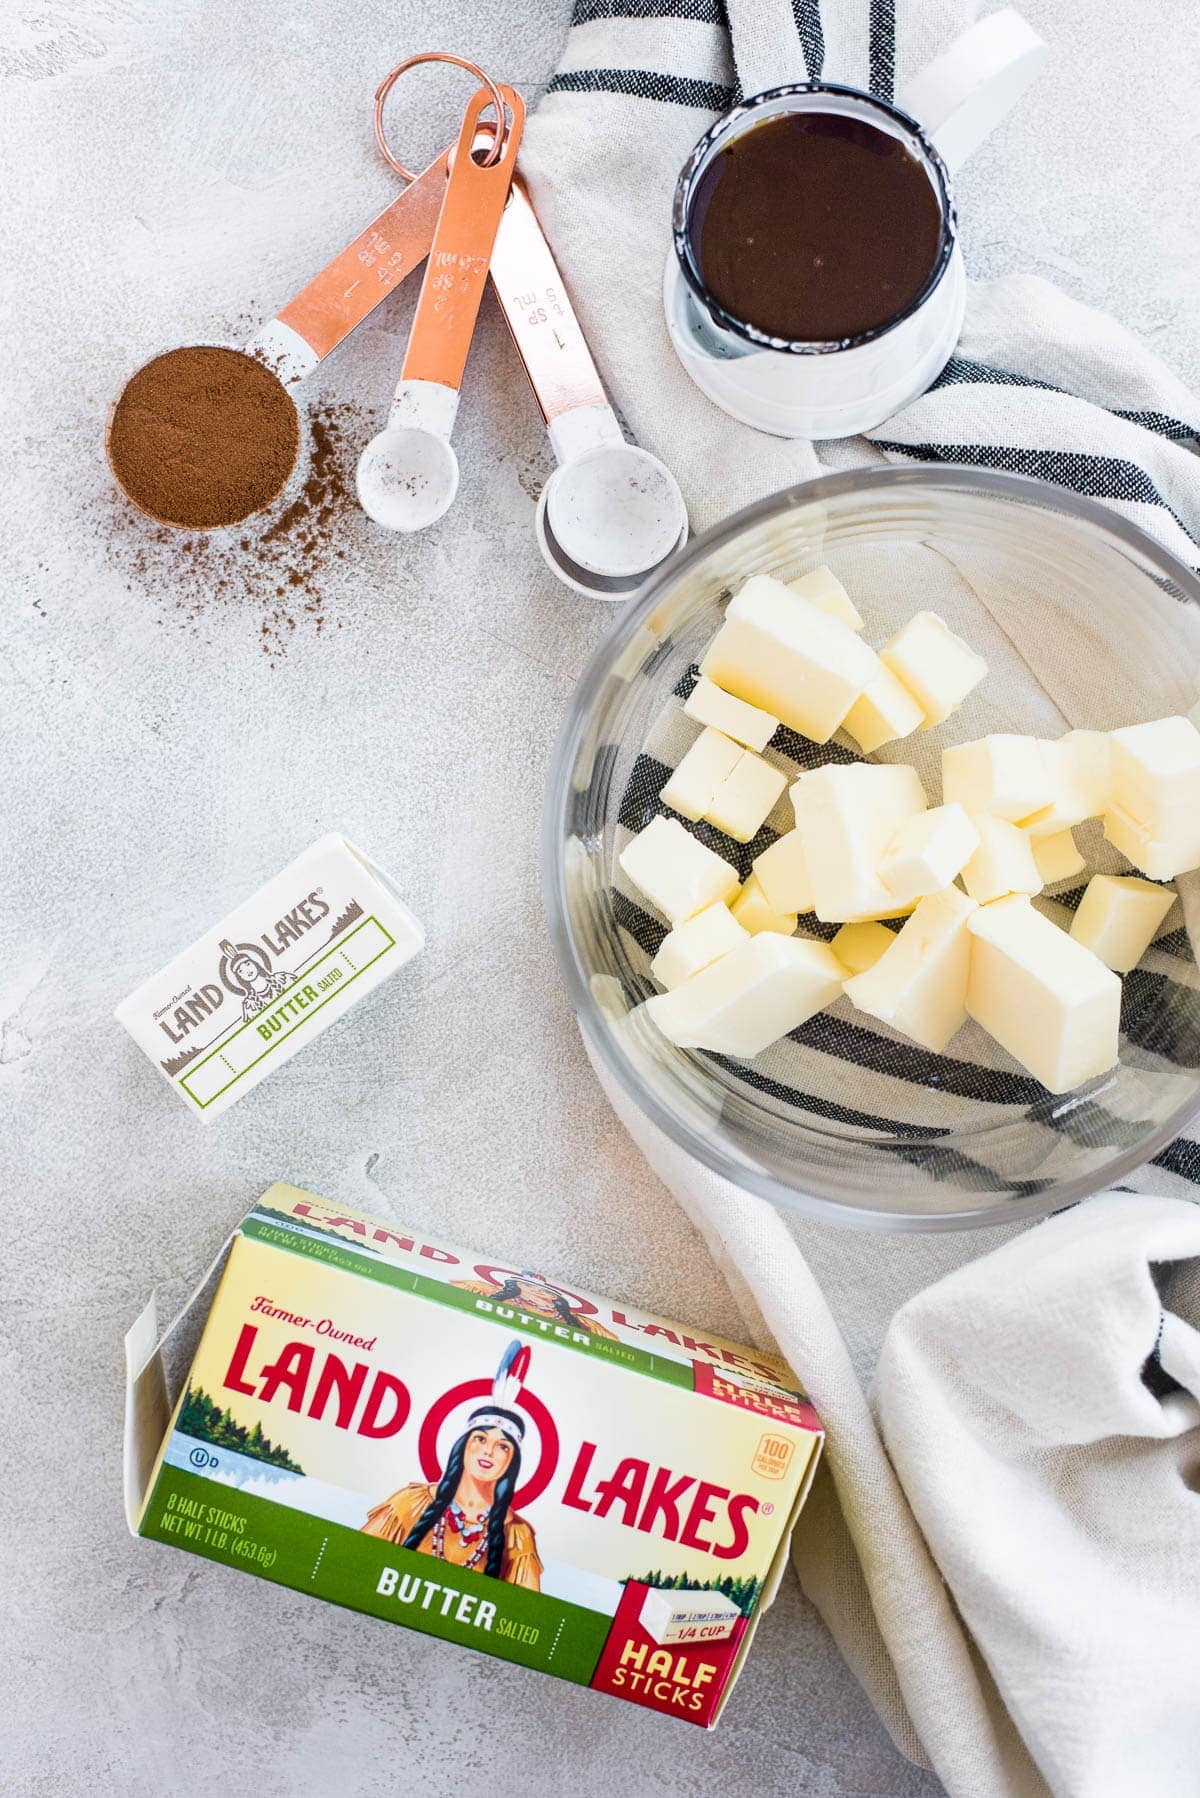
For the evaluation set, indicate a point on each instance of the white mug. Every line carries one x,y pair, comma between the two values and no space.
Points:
836,389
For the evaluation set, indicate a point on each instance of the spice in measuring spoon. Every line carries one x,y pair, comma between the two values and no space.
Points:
610,512
408,474
205,435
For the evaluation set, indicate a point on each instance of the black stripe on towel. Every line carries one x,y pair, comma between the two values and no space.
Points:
704,12
644,84
1180,1157
811,32
881,49
1100,477
961,371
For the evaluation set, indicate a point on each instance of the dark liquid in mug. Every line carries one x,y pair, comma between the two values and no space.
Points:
815,227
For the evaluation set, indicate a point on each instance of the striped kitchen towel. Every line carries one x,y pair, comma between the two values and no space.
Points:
1039,385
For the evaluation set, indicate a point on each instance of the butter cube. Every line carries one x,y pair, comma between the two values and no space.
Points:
693,945
743,798
822,588
1002,774
847,815
883,711
1080,769
676,873
1003,862
1118,918
859,946
754,912
751,997
936,666
1056,857
927,851
919,984
1154,809
780,652
782,873
1044,997
693,783
747,724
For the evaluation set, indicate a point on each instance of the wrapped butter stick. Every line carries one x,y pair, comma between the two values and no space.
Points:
272,975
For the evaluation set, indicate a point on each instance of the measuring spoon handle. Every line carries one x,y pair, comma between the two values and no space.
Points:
350,287
547,334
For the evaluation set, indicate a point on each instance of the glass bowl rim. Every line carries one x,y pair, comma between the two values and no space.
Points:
709,1151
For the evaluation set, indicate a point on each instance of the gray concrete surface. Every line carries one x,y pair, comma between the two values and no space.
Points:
167,742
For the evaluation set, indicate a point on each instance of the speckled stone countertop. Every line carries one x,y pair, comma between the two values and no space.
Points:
177,723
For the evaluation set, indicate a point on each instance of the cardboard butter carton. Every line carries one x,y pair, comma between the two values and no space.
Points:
478,1452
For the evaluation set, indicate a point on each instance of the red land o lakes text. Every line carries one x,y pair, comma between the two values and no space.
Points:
680,1339
206,999
679,1507
666,1677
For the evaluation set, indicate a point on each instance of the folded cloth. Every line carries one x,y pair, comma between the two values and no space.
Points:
982,1635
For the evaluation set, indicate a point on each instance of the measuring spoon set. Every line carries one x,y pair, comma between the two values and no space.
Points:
610,512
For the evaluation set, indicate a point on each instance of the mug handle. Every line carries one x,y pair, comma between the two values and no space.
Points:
964,93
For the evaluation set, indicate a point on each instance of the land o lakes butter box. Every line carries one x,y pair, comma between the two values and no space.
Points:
476,1451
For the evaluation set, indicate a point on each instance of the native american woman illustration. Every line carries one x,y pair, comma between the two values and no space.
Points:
250,973
466,1518
527,1293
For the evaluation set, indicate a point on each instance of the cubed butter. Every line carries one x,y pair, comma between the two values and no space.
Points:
1080,769
1002,774
693,945
936,666
1003,862
847,814
1154,808
919,984
1057,857
676,873
859,946
743,798
784,654
754,912
693,783
751,997
884,711
1044,997
927,851
823,589
746,724
1118,918
782,873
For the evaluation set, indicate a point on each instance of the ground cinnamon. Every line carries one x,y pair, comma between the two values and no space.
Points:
203,437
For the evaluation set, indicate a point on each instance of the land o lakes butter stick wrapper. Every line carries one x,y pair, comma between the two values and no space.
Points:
272,975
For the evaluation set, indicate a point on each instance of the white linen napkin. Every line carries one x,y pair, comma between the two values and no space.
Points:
1014,1582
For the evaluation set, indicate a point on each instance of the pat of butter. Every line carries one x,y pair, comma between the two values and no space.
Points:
1044,997
782,873
695,944
936,666
919,984
1118,918
676,873
747,724
1003,862
782,653
1080,769
859,946
692,784
275,973
751,997
927,851
1057,857
822,588
1002,774
884,711
1154,810
847,815
744,797
755,913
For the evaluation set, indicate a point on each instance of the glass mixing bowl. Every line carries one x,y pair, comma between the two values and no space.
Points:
1085,621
